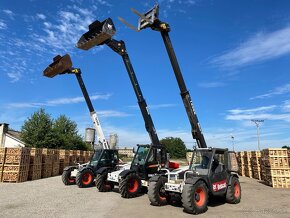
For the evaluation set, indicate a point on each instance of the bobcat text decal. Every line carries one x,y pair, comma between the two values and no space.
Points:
219,185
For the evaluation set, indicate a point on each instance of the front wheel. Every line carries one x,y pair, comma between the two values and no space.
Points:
66,177
195,198
156,192
102,183
130,186
234,192
85,178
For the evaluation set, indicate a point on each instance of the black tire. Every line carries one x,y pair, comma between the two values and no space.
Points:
85,178
234,191
156,192
195,198
66,176
130,186
102,184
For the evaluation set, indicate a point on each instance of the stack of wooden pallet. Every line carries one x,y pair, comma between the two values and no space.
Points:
47,157
256,164
248,165
55,162
14,164
72,157
275,167
240,159
35,164
63,160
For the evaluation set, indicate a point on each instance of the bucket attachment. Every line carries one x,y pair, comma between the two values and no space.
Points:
60,65
146,20
98,34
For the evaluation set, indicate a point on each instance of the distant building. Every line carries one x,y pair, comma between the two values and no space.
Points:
9,138
129,152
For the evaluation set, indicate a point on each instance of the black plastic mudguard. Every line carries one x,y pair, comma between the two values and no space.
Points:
125,173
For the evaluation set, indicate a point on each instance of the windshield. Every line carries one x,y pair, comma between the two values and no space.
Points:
96,157
201,162
141,155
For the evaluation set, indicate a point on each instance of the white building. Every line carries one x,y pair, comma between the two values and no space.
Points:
9,138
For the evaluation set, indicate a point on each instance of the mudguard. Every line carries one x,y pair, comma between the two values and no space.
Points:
87,167
70,167
194,180
125,173
102,170
231,177
155,178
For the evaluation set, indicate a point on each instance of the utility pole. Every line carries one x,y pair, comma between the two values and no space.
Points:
233,142
257,122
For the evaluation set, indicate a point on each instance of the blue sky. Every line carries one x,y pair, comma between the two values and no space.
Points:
234,55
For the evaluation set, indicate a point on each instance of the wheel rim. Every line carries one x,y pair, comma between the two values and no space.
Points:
199,196
132,185
71,179
162,193
237,190
87,178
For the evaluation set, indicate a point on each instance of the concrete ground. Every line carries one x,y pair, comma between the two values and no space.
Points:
50,198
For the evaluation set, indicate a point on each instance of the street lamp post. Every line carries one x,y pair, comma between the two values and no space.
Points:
257,122
233,142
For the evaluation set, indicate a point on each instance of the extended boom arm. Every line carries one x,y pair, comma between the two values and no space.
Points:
62,65
101,33
150,19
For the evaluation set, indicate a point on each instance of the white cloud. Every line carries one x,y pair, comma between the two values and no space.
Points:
41,16
211,84
261,47
155,106
56,102
112,113
262,113
2,25
9,13
286,106
251,111
277,91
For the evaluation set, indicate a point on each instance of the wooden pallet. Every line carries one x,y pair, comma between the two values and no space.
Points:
15,177
275,152
47,156
46,170
36,156
62,165
34,171
275,162
55,168
278,172
278,182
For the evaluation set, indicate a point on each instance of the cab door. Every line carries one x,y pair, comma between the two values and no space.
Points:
218,174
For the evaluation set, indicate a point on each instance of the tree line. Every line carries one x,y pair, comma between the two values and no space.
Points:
40,130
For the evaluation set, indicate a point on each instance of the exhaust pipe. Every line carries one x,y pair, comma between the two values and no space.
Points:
98,34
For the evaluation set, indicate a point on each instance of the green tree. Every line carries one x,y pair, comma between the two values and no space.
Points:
41,131
37,131
285,146
175,147
67,133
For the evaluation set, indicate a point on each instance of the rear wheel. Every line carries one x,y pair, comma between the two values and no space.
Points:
195,198
85,178
156,192
103,184
130,186
66,177
234,191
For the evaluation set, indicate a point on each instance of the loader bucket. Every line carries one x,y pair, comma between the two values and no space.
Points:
98,34
60,65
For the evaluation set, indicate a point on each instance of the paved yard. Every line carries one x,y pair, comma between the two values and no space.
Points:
50,198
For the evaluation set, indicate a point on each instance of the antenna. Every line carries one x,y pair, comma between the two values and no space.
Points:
258,122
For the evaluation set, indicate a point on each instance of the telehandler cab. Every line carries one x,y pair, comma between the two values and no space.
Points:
84,174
